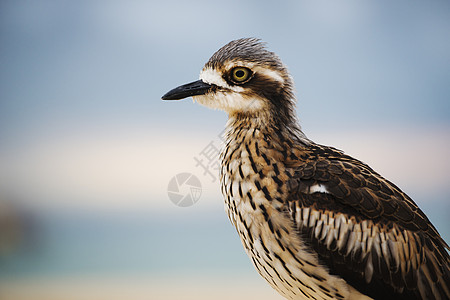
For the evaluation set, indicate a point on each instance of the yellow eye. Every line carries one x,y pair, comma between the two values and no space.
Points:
240,74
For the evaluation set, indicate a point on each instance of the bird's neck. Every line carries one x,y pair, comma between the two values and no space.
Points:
267,126
256,147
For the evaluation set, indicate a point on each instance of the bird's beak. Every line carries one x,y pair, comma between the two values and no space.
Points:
187,90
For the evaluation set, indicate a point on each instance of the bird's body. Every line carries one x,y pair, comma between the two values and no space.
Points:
255,200
316,223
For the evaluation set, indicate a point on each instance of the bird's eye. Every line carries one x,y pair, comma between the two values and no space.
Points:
240,74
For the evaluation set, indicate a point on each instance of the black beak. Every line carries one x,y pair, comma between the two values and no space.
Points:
187,90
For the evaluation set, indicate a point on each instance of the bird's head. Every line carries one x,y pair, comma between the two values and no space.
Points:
242,78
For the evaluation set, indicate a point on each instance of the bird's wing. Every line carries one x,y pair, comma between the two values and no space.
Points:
365,228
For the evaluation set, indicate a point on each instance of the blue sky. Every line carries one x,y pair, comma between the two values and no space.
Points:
81,84
82,126
91,63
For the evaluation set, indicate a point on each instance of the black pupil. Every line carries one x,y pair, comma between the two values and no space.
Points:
240,74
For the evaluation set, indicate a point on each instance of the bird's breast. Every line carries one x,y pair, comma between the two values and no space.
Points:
252,184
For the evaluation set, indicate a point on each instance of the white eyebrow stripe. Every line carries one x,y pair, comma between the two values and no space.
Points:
270,73
211,76
233,64
256,69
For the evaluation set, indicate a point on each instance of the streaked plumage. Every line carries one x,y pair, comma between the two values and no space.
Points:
316,223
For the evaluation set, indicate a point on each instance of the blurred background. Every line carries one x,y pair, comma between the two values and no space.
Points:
87,148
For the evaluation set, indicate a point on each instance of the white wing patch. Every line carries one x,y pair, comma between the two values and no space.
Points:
318,188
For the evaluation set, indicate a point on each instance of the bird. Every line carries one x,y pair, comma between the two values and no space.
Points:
315,222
